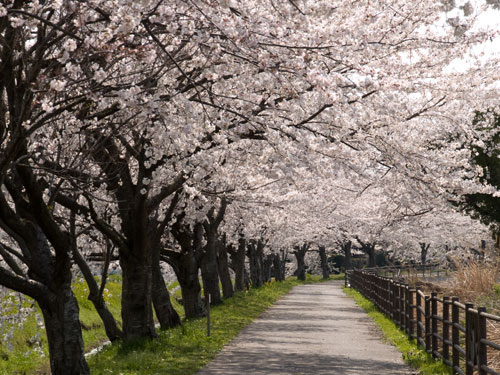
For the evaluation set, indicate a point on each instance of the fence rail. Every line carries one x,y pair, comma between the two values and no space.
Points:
446,328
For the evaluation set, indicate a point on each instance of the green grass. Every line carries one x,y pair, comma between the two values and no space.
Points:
412,354
340,276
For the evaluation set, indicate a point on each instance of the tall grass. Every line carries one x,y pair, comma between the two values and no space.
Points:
473,279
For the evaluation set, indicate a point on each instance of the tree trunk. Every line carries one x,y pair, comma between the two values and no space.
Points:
95,295
424,248
278,268
266,268
346,247
209,272
137,309
238,265
255,252
186,266
190,286
110,326
370,250
301,266
246,279
224,275
64,334
300,253
324,263
165,312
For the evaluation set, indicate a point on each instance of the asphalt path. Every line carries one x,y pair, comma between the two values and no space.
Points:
314,330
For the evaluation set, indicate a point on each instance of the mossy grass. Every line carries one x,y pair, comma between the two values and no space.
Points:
412,354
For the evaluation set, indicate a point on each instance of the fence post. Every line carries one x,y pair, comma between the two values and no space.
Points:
411,331
446,328
397,315
428,348
407,309
483,353
419,315
469,344
387,297
402,316
455,319
434,312
391,299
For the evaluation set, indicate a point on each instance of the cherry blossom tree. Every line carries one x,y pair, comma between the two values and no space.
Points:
122,105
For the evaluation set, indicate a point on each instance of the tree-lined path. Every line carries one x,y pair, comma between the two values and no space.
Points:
314,330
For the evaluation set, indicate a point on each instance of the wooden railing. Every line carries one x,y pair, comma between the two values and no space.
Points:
449,330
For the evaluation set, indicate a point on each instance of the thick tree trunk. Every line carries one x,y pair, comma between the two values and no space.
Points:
238,265
224,275
209,272
190,286
324,263
301,266
165,312
346,247
210,277
300,253
278,267
137,309
64,334
186,266
255,253
266,268
246,279
370,250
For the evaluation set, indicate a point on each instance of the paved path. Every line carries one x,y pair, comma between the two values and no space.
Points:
314,330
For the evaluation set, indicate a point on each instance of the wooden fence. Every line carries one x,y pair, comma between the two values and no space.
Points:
450,330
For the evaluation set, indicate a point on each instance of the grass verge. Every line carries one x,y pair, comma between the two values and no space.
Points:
413,355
